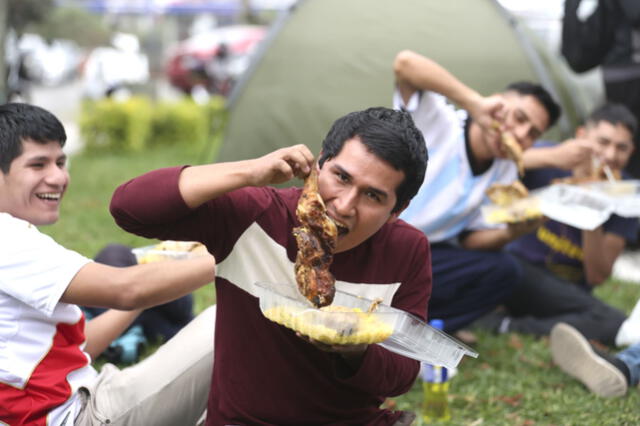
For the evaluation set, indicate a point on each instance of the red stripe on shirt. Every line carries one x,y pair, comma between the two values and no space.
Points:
47,387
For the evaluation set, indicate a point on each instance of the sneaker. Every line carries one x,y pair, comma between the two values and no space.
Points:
575,356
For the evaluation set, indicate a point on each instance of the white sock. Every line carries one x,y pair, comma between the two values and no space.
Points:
629,331
635,313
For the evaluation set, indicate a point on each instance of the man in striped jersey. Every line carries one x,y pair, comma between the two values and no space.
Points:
466,158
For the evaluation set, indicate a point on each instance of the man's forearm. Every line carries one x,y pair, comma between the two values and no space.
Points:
489,239
199,184
537,158
146,205
385,373
416,72
203,183
572,154
105,328
139,286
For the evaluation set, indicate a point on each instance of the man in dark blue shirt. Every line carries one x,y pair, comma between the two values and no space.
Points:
562,263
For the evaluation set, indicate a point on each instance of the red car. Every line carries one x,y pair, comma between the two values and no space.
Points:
215,59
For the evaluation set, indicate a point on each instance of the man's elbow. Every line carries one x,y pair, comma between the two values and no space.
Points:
128,301
402,63
128,294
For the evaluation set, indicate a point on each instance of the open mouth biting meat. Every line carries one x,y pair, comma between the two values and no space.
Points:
342,229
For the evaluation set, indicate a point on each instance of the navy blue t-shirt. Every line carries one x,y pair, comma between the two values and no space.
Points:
556,246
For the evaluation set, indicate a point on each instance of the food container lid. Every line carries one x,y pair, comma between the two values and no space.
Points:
589,205
407,335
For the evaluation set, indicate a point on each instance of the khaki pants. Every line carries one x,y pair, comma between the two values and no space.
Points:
170,387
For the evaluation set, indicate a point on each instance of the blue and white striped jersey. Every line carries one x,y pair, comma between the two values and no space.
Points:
449,200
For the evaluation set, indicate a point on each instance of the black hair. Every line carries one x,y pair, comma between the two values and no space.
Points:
20,122
391,136
615,114
541,94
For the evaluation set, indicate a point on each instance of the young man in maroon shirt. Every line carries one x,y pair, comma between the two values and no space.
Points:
372,163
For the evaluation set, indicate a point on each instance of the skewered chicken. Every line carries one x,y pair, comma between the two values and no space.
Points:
514,152
316,237
513,148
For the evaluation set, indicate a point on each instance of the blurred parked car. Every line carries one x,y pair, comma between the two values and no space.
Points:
213,60
115,70
48,62
31,60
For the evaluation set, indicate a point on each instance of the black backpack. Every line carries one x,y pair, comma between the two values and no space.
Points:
609,36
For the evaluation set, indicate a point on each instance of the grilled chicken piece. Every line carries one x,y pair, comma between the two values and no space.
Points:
514,150
317,238
315,283
312,213
503,195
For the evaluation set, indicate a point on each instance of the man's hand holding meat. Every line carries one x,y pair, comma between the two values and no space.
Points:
203,183
487,111
281,165
567,155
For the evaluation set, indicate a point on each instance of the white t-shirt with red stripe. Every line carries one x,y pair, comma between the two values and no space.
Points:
42,362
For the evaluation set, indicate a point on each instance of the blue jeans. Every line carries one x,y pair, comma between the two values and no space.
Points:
542,300
631,357
469,283
162,321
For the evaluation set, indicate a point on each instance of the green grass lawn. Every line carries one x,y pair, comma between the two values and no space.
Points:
512,382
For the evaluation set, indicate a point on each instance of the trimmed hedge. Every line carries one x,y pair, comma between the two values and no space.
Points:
137,123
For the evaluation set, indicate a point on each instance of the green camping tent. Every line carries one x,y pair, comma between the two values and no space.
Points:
325,58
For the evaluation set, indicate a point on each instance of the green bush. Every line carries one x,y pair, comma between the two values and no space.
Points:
183,122
116,126
215,112
135,124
